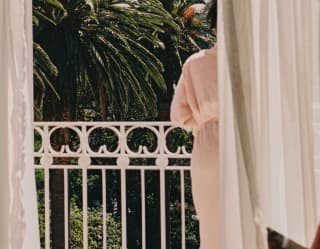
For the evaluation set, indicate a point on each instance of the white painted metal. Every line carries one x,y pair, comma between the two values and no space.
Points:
128,168
183,210
66,209
104,209
143,208
163,210
47,208
122,153
120,129
123,209
85,207
45,161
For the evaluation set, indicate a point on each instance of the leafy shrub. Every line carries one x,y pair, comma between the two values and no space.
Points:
95,228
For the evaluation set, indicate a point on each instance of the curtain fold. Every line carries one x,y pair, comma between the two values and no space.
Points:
18,210
267,56
316,96
295,46
236,43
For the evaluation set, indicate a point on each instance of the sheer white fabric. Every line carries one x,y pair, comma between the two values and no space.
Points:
268,64
316,98
18,213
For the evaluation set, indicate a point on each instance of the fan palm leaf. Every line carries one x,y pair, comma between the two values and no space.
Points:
193,34
108,41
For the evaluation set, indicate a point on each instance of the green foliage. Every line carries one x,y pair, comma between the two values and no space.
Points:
95,229
176,138
44,70
39,175
135,48
44,73
174,196
193,33
104,41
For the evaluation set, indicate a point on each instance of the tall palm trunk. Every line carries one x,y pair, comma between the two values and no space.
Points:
57,208
102,100
164,115
164,107
55,110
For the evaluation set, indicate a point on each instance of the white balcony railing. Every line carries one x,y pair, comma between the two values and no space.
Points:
85,143
122,147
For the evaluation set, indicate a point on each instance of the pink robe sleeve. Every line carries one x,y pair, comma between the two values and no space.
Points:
181,112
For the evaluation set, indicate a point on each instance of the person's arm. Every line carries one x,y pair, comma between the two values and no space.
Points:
181,113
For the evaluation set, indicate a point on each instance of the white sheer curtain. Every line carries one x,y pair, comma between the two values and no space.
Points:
18,213
268,65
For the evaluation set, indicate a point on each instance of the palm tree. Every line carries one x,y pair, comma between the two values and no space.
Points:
98,46
193,34
102,45
44,71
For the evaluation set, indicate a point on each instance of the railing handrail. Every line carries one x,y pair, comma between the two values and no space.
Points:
122,153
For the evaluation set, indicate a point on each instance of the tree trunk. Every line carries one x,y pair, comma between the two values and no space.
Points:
55,110
102,101
57,208
164,107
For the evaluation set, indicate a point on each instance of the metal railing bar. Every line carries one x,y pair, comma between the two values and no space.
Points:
183,210
66,209
47,207
123,209
143,207
79,167
163,209
85,207
104,209
103,123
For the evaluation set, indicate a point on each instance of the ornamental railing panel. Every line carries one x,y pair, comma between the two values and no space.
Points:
102,167
144,165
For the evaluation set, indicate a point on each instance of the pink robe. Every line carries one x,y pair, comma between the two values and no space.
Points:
195,106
